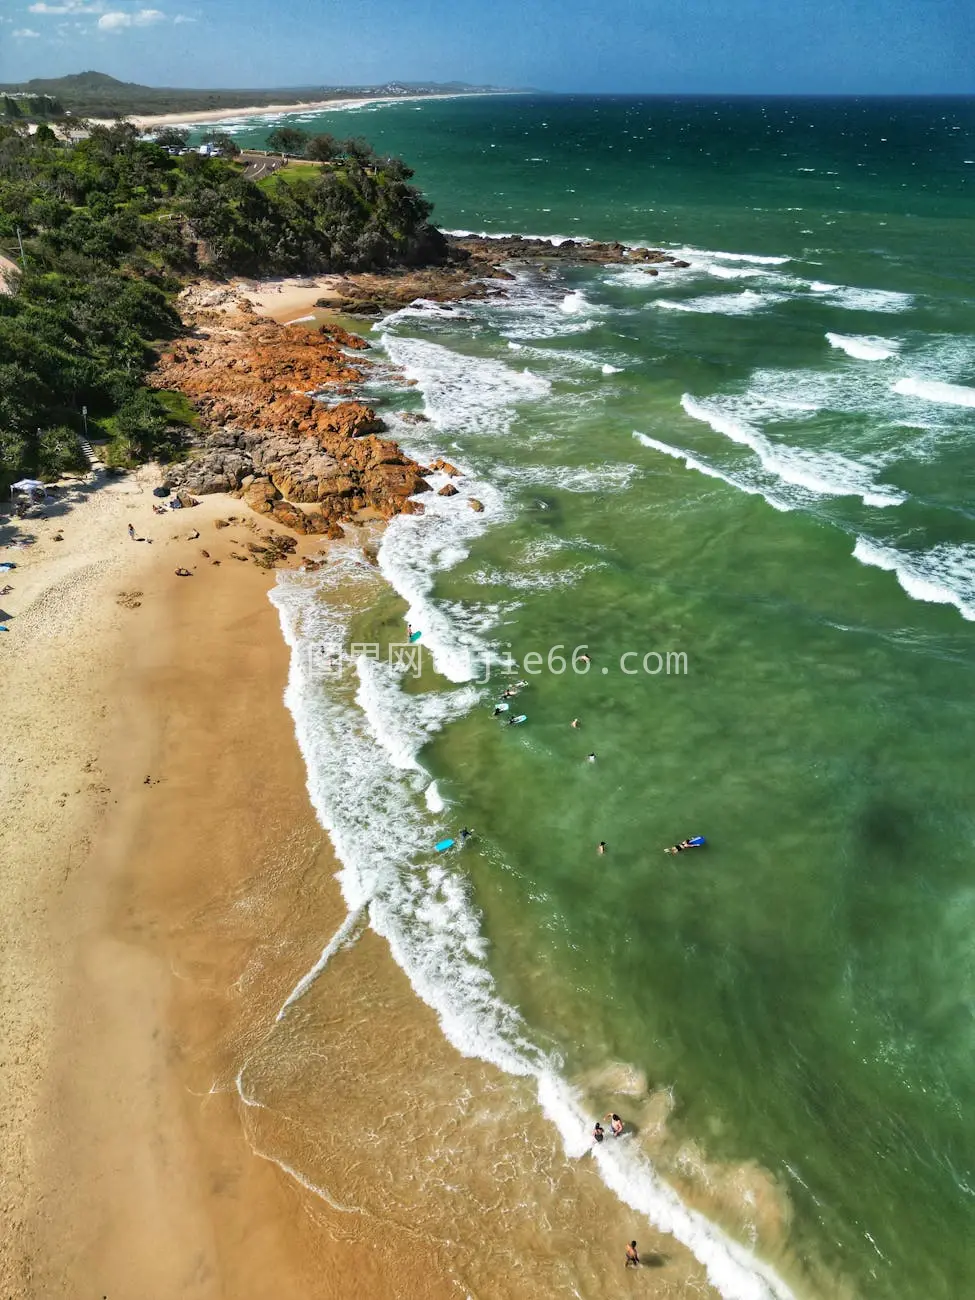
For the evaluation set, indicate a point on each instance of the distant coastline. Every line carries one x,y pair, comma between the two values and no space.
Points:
146,122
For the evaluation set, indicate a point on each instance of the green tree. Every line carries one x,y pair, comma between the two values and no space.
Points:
322,148
287,140
357,148
172,137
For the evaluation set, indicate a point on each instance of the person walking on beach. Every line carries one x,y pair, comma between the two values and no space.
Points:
131,533
632,1256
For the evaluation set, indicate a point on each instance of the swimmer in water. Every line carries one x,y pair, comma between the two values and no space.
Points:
696,843
574,722
615,1124
598,1132
592,757
601,847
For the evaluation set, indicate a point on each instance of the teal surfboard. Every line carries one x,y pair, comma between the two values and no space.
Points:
443,845
415,636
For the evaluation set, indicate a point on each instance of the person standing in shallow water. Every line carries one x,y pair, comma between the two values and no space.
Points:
632,1256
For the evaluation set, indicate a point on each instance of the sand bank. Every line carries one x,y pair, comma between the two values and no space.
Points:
166,887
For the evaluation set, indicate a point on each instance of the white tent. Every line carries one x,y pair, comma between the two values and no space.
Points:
28,485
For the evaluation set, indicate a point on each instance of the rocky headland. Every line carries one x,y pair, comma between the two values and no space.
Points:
472,269
282,427
273,433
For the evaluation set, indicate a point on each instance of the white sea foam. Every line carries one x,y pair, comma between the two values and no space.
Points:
723,304
695,463
476,394
575,303
433,798
611,370
571,478
735,272
935,391
944,575
864,347
851,298
822,473
401,723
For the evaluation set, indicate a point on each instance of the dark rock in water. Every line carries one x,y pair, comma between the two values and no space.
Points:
521,248
475,504
448,490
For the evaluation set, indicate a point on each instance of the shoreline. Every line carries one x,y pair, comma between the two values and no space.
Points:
170,888
146,121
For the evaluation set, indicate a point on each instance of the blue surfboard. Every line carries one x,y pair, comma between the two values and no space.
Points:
697,841
443,845
415,636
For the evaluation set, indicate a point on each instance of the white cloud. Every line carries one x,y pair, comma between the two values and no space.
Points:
116,19
25,31
183,18
66,7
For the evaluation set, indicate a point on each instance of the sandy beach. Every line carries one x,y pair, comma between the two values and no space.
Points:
147,122
167,1130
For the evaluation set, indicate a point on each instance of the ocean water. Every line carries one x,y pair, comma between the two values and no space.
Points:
746,488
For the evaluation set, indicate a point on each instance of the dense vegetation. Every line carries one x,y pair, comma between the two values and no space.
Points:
110,225
93,94
30,107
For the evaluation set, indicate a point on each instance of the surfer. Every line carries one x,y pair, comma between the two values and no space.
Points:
498,708
466,833
695,842
598,1132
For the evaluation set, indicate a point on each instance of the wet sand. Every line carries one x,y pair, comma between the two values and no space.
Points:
165,1133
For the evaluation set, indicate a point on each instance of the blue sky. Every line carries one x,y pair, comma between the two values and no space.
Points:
683,46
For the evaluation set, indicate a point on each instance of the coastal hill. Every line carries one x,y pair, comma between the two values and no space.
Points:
95,94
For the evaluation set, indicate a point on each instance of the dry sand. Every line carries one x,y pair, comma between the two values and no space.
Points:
288,300
166,885
117,1177
147,123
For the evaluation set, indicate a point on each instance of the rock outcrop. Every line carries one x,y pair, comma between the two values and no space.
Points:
306,463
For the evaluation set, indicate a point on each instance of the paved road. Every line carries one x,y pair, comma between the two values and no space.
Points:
258,168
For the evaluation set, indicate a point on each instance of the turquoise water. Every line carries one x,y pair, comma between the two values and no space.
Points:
763,463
